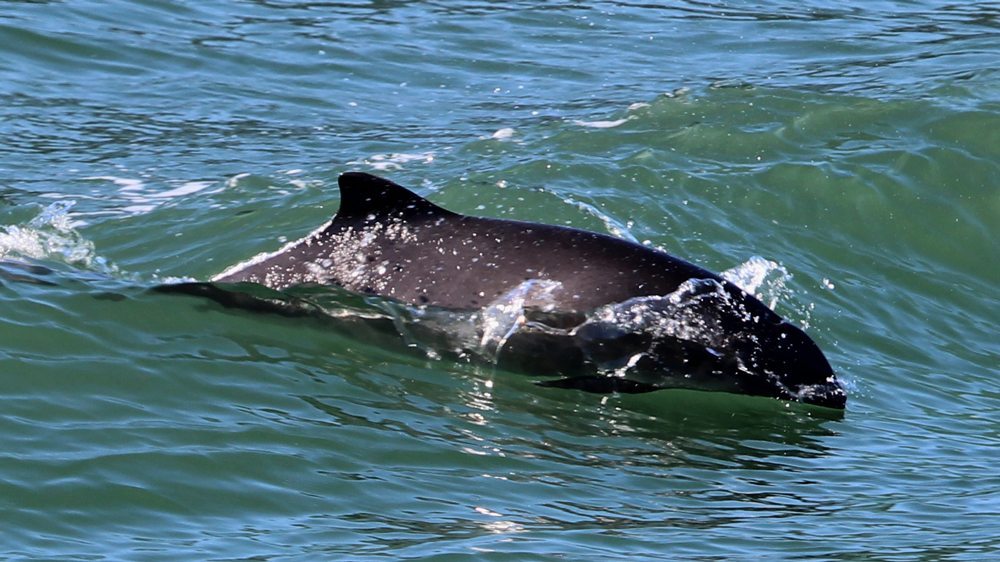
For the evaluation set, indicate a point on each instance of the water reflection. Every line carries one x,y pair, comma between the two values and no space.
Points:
502,414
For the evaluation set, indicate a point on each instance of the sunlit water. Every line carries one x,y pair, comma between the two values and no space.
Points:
841,161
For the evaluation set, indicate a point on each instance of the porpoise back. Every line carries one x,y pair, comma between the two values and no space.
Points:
389,241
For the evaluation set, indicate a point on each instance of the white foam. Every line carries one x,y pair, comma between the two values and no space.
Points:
604,124
394,161
140,198
127,184
186,188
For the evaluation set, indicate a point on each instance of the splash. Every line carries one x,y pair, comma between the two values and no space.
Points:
769,282
764,279
681,314
51,236
504,316
616,336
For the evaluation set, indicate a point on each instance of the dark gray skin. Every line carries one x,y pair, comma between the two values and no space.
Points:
388,241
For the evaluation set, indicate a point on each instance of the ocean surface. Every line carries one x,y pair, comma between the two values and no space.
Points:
846,155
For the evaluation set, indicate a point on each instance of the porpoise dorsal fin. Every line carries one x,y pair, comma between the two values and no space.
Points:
365,197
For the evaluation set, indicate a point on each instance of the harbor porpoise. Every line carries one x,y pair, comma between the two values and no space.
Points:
603,313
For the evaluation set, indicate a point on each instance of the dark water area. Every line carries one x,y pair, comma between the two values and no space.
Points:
844,158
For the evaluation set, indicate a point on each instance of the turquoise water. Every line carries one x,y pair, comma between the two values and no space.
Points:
855,146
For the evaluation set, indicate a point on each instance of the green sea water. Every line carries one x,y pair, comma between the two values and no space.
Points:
854,146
